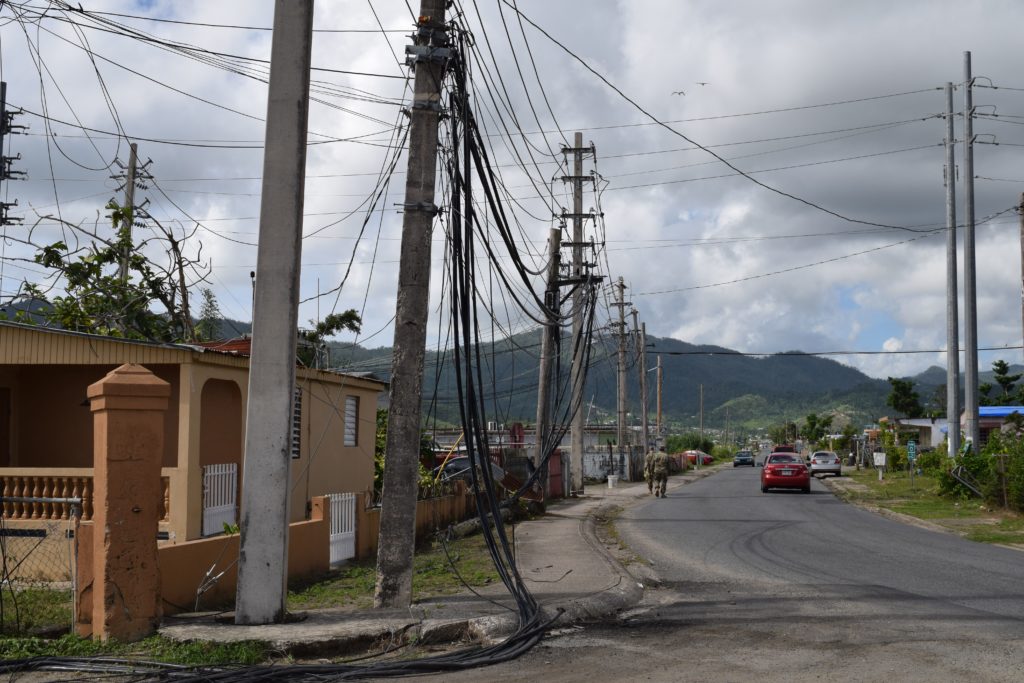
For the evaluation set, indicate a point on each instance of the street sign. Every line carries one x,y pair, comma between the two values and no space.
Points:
911,451
879,458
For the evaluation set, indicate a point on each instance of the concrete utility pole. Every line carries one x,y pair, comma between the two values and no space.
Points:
129,206
1020,210
621,403
952,293
548,343
402,449
644,425
263,553
579,373
971,430
701,422
659,401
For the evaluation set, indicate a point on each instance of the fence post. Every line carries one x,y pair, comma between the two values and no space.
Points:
128,408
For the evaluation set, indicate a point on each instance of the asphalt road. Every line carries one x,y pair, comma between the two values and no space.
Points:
745,586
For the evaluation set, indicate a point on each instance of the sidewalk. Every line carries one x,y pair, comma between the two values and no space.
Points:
559,556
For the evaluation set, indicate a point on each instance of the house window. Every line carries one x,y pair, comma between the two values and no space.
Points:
297,423
351,420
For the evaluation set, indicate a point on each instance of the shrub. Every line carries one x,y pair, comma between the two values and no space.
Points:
933,462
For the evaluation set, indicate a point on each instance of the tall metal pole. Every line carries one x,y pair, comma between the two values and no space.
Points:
621,403
263,553
952,294
578,371
547,345
1020,210
129,206
402,446
971,430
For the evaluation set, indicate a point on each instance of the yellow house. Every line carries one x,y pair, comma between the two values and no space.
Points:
46,433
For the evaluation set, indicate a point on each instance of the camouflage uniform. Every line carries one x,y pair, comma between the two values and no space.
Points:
660,471
649,470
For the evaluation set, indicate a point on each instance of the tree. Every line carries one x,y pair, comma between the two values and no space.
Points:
313,342
1005,381
903,399
97,298
815,428
208,327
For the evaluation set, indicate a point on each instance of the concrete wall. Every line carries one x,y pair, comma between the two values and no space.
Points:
431,514
183,566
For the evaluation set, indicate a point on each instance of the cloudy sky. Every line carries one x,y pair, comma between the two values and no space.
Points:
836,106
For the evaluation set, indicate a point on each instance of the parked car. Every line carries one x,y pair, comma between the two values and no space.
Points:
743,458
458,468
785,471
826,462
692,456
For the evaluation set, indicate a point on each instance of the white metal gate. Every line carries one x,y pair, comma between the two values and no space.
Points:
343,526
220,491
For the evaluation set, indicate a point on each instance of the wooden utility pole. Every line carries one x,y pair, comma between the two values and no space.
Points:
548,343
263,550
429,55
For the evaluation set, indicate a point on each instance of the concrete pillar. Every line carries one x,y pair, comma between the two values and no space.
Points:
128,408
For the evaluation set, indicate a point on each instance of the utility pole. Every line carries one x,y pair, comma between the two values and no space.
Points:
579,372
621,304
970,285
659,401
952,293
129,208
1020,210
548,343
701,421
644,425
263,551
6,162
429,57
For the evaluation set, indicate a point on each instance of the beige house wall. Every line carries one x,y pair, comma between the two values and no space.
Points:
47,372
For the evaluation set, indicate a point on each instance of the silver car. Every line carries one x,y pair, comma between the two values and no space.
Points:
825,462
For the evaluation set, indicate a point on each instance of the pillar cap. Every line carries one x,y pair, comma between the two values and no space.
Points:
130,380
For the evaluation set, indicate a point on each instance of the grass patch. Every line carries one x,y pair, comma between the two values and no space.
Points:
31,610
352,585
1009,530
972,518
154,648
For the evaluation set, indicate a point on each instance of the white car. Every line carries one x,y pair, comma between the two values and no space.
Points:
826,462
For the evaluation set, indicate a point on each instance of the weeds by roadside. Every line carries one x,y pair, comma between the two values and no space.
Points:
969,517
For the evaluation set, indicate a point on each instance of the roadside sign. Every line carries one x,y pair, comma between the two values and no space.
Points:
879,458
911,451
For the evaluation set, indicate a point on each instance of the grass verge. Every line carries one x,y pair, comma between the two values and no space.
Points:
970,517
155,648
352,585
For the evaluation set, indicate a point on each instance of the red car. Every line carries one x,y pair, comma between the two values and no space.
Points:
692,456
785,471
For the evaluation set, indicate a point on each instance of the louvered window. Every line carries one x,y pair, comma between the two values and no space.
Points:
351,420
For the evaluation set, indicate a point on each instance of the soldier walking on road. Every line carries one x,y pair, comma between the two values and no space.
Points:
649,469
660,471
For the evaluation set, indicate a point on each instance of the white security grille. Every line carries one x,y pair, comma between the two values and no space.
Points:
220,490
343,526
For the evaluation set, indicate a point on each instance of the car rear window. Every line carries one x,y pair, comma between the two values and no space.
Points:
781,458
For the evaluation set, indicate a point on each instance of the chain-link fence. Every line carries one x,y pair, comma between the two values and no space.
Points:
37,564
